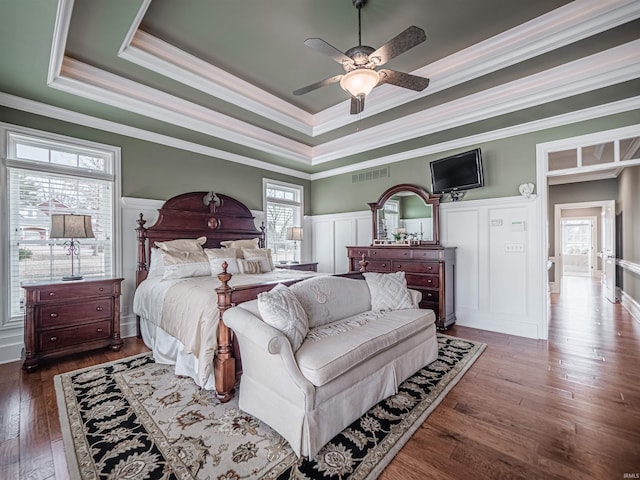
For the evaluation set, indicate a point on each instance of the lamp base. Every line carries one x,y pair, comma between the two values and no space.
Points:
72,277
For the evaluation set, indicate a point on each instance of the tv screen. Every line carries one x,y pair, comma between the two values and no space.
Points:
457,172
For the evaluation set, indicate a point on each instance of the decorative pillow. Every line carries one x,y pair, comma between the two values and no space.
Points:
261,255
156,264
388,291
248,266
182,245
280,308
240,244
217,256
185,264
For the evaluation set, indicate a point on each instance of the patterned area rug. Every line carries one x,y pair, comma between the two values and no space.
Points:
134,419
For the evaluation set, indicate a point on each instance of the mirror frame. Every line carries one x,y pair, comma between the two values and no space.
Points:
429,199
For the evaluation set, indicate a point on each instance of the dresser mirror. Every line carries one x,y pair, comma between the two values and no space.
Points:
406,214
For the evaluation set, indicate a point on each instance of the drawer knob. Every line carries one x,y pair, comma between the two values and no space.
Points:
429,280
99,330
429,294
53,315
52,294
101,289
99,308
53,339
399,266
383,264
430,267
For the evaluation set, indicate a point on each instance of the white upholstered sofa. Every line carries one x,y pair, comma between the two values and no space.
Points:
311,377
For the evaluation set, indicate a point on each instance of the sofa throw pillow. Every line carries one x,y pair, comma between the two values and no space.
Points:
182,245
280,308
240,244
185,264
388,291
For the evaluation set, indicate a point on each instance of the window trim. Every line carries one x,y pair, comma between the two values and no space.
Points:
300,204
6,320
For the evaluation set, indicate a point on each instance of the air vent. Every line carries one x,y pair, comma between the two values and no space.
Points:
370,175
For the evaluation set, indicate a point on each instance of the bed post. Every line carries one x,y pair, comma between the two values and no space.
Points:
224,363
141,264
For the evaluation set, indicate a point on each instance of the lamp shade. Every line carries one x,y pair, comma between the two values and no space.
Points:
359,81
294,233
71,226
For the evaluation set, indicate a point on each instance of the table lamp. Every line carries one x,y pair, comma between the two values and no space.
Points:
295,234
72,227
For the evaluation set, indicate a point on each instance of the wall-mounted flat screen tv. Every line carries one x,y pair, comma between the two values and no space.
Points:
457,172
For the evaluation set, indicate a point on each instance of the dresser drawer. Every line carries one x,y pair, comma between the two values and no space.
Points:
416,267
390,253
64,337
379,266
62,315
430,281
71,291
429,297
357,252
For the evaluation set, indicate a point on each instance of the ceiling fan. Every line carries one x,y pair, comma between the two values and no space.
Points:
360,64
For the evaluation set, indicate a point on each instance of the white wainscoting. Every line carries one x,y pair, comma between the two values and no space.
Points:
497,284
131,210
333,233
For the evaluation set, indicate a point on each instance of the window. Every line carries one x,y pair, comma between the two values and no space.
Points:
283,208
46,175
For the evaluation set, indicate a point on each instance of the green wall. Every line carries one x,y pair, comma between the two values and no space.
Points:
628,207
154,171
507,163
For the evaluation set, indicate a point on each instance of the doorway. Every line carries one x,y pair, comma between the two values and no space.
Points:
578,241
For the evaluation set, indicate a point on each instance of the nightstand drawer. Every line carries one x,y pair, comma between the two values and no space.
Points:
70,291
62,315
64,337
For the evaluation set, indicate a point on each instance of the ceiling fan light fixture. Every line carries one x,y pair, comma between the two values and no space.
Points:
359,81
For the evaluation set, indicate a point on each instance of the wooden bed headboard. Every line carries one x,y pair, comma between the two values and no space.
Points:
196,214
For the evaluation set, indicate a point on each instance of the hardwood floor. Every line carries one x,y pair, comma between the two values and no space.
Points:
567,408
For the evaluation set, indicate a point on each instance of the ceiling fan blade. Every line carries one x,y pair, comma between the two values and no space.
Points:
321,83
399,44
357,104
404,80
323,47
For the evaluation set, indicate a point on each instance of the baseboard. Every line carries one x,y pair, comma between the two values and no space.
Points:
630,304
498,323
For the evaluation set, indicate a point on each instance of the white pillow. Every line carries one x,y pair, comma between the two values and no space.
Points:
262,255
182,245
388,291
217,256
280,308
185,264
240,244
156,264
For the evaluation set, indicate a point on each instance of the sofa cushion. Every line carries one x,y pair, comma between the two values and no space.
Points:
388,291
280,308
327,299
325,357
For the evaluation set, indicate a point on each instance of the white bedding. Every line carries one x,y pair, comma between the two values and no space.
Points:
179,319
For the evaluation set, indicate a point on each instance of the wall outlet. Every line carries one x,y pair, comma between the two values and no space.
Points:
514,247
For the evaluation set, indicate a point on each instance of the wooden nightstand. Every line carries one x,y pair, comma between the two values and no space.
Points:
68,317
305,267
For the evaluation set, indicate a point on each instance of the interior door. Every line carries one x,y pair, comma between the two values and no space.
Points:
609,250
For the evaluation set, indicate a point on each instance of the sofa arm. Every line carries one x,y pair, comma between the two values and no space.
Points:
259,343
416,297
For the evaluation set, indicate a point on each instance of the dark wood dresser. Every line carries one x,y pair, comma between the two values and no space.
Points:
64,317
429,269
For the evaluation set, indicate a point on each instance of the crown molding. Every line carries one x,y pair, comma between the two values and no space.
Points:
567,24
596,71
524,128
90,82
38,108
